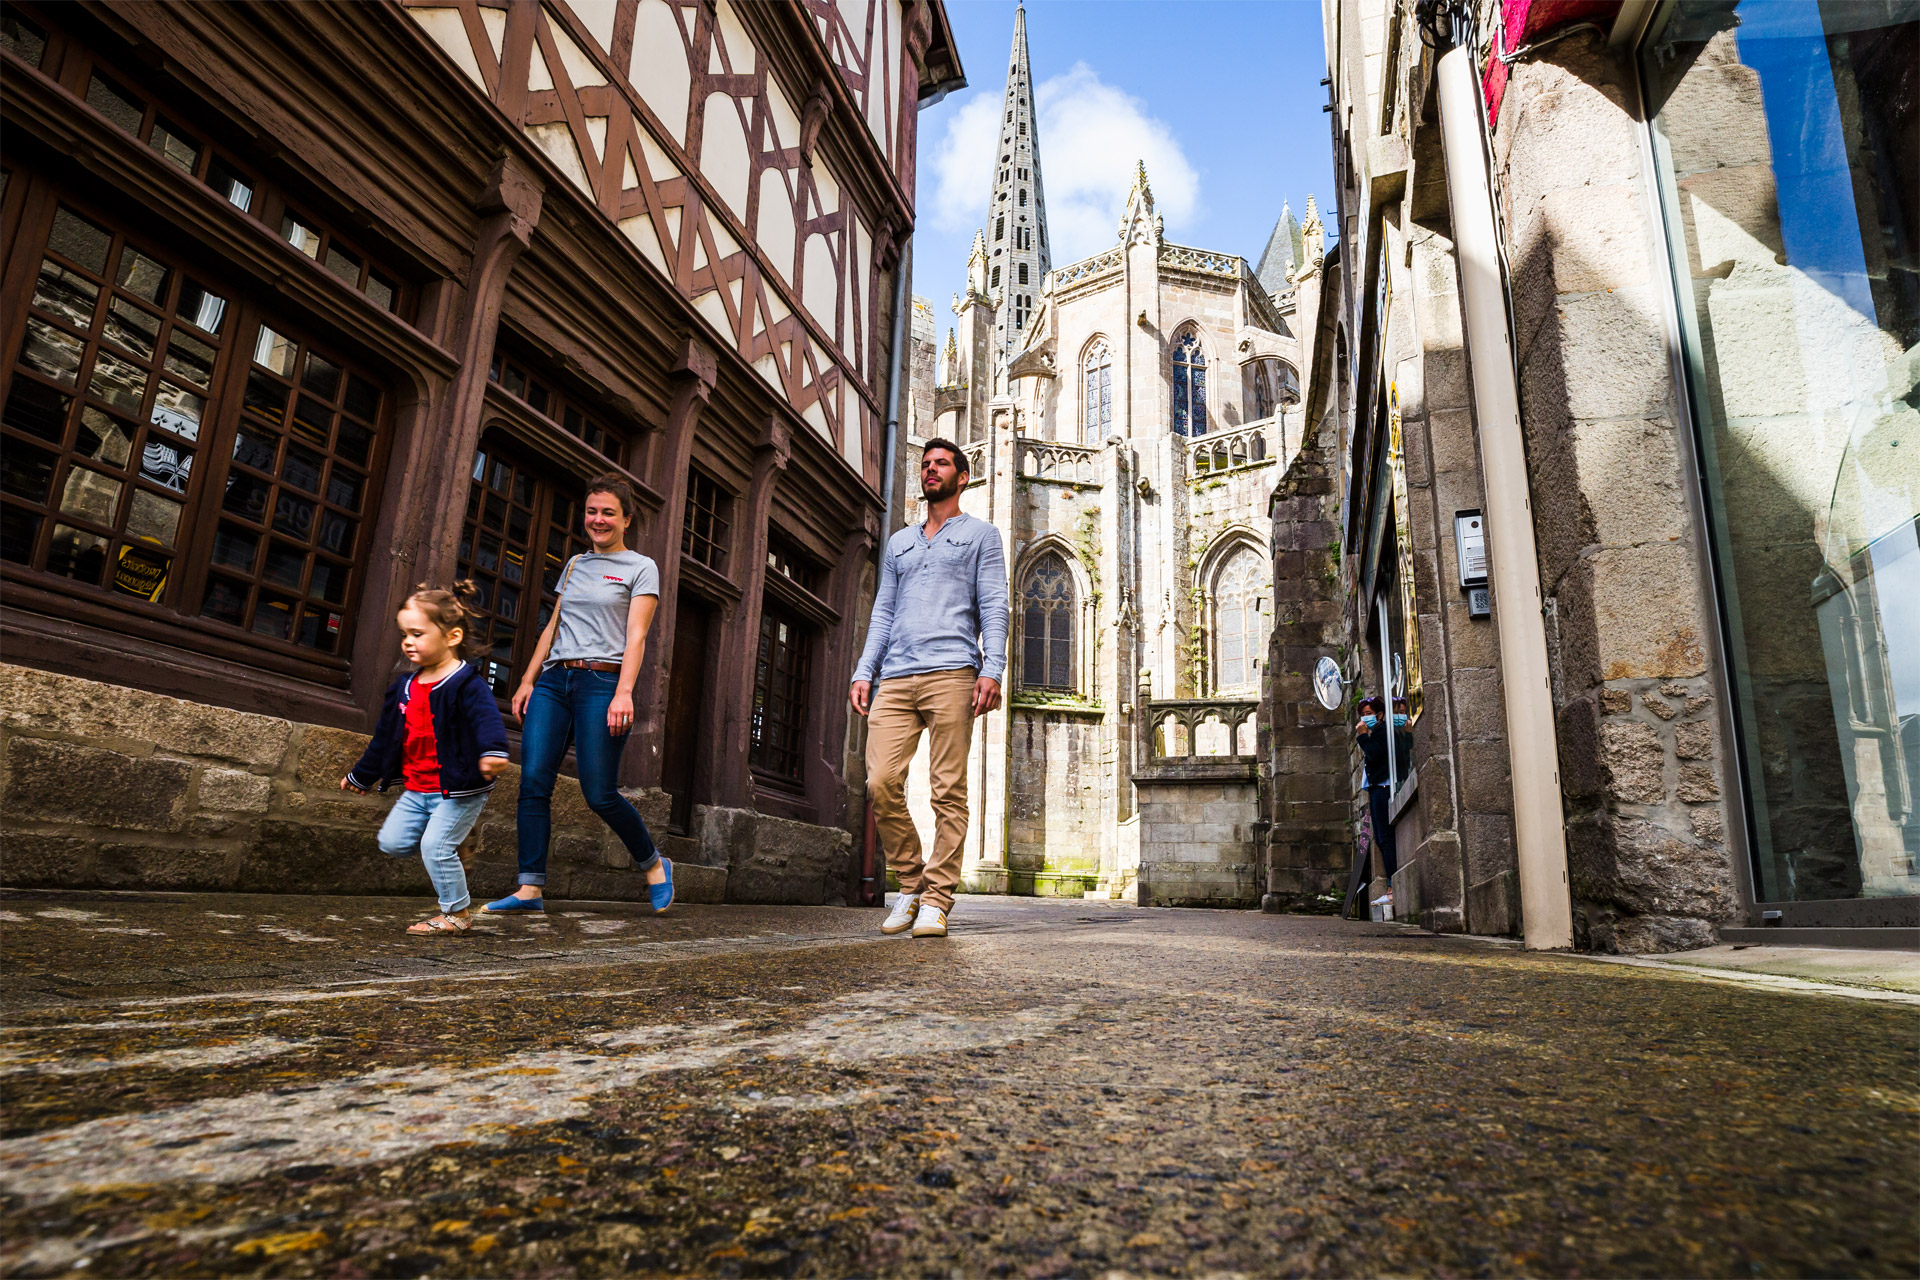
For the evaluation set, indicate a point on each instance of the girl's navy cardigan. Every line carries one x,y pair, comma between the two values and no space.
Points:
466,728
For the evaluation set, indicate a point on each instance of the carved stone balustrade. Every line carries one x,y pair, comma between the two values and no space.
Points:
1244,446
1202,731
1086,271
1180,257
1056,461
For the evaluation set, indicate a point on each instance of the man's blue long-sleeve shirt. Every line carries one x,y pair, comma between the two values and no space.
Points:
942,604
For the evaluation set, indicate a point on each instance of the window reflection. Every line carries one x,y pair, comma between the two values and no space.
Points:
1786,135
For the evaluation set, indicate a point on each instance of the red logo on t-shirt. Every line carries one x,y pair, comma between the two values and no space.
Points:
607,577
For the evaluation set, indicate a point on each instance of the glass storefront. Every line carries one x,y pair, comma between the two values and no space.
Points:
1787,136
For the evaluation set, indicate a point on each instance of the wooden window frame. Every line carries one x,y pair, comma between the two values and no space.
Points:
175,613
553,539
77,65
541,394
782,676
708,525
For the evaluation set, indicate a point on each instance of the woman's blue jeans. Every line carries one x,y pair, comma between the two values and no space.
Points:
569,707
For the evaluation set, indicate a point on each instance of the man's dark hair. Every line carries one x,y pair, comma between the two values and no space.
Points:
960,462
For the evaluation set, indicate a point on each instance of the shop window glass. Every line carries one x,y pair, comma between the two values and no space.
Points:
1786,146
785,558
22,38
233,187
174,146
100,436
340,259
514,376
296,485
780,673
709,513
115,103
522,526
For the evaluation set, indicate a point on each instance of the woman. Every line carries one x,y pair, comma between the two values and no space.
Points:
579,689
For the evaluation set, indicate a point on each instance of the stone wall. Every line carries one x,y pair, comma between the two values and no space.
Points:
1308,750
1054,787
1197,837
1621,563
1459,869
107,787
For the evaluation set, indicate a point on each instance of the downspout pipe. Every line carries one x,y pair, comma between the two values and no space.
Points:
1539,825
896,364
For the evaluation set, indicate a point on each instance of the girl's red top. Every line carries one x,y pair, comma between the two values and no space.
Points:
420,756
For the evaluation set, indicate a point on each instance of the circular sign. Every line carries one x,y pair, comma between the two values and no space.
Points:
1327,683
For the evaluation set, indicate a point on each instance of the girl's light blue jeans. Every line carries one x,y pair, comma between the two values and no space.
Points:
433,825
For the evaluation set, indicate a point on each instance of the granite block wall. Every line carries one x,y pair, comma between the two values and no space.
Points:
107,787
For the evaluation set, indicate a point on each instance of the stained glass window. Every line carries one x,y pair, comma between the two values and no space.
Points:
1048,632
1189,385
1239,628
1098,413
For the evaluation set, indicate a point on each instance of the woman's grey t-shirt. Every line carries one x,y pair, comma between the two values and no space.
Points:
595,594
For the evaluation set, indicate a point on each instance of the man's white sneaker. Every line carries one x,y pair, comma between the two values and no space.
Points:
931,922
900,919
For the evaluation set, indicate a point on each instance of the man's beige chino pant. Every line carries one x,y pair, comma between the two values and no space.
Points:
939,703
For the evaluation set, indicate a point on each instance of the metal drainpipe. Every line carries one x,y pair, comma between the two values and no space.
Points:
873,881
1539,826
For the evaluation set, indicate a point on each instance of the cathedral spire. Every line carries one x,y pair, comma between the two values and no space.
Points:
1284,252
1018,254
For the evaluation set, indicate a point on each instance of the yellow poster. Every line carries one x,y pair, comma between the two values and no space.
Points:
139,572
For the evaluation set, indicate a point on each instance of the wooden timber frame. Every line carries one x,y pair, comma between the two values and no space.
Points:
352,115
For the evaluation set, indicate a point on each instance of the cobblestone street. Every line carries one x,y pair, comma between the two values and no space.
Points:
285,1086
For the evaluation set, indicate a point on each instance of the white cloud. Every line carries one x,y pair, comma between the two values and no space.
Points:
1090,136
963,163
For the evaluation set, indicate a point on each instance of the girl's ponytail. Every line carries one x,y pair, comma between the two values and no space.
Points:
453,609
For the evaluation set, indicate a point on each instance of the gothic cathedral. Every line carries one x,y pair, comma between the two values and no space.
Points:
1126,417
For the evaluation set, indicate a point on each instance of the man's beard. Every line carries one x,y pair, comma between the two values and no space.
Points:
934,491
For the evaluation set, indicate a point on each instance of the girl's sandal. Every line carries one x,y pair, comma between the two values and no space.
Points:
441,924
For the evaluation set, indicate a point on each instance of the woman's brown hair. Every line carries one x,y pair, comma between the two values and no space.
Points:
450,610
616,484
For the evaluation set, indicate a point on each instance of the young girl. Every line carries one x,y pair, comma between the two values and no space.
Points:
441,735
578,691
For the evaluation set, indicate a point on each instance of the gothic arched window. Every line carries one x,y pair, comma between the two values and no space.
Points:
1098,412
1189,385
1239,627
1023,273
1047,651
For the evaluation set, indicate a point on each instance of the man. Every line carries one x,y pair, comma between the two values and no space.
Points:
937,643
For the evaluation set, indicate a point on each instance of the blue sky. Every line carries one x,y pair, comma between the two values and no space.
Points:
1221,98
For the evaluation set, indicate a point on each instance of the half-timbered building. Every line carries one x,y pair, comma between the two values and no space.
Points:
305,304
